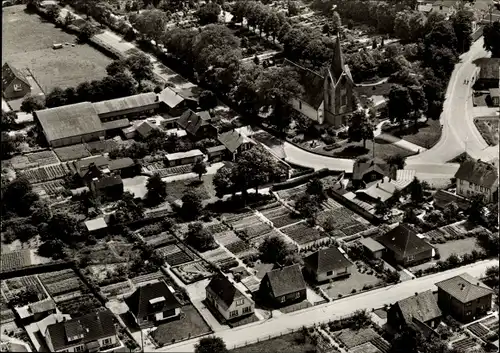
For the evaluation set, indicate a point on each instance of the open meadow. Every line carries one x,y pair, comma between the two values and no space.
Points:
27,44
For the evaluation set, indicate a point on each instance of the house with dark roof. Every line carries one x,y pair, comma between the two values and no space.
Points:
37,311
173,103
284,285
153,303
489,73
70,124
145,128
235,142
197,124
89,333
326,264
125,167
228,300
464,297
14,83
405,247
420,308
108,186
327,98
367,172
477,178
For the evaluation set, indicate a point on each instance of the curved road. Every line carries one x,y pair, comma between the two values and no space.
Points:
332,310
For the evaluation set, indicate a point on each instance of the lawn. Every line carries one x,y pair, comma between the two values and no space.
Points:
345,286
190,324
176,189
290,343
459,247
351,150
426,136
488,128
27,44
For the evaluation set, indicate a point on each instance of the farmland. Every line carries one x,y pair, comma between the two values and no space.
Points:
11,287
32,49
45,173
303,234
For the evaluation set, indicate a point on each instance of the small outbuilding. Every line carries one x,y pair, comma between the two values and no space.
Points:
373,247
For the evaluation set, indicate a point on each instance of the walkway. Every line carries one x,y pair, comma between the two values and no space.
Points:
396,141
329,311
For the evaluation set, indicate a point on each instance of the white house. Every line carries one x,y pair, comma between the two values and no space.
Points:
477,178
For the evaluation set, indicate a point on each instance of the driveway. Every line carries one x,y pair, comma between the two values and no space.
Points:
322,313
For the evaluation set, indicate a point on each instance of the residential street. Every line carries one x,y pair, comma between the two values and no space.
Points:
329,311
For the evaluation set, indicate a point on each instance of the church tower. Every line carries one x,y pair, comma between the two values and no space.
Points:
338,90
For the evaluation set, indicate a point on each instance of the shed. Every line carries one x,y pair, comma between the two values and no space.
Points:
373,247
181,158
95,225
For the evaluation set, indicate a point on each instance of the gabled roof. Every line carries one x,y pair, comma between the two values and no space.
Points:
403,241
145,128
121,163
107,181
138,302
312,82
371,244
478,172
422,306
382,190
170,97
93,327
191,121
377,165
83,165
232,140
224,289
325,260
9,73
69,120
126,103
286,280
180,155
464,288
116,124
42,306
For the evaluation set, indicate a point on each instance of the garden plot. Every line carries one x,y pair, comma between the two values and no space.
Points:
42,158
174,255
331,204
216,228
101,253
100,147
50,188
227,237
351,338
294,194
154,276
258,240
73,152
193,271
478,329
341,217
6,315
46,173
15,259
239,248
75,306
159,167
235,218
355,229
465,344
61,282
117,289
11,287
160,240
216,255
280,216
204,188
303,234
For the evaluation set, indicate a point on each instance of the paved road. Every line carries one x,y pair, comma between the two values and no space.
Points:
321,313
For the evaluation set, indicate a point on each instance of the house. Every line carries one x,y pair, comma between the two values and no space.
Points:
228,300
96,226
198,125
125,167
216,153
329,97
181,158
405,247
418,311
108,186
173,103
95,165
489,73
372,247
37,311
144,129
477,178
153,303
14,83
129,132
364,173
284,285
495,97
37,330
326,264
464,297
93,332
235,142
70,124
382,191
127,107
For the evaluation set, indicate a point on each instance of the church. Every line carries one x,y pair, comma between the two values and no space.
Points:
327,99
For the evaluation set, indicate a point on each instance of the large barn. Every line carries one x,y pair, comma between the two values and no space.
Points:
70,124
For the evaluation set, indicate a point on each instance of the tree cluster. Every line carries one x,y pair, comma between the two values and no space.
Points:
199,238
208,13
274,250
491,34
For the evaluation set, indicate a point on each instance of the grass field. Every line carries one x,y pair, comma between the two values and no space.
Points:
426,136
291,343
488,127
27,44
383,150
176,189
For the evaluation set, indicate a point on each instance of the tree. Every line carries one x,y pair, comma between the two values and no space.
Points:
127,209
116,67
491,35
32,103
200,168
157,189
360,127
293,8
199,238
396,160
274,250
140,66
222,181
462,25
489,242
18,197
416,191
24,297
400,104
8,120
191,206
69,19
336,23
475,210
315,188
208,13
9,145
86,33
308,206
55,98
150,24
40,212
53,248
207,100
211,345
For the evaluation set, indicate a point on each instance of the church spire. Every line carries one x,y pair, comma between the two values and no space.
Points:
338,60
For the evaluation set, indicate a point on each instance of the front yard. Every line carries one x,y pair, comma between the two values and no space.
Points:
356,281
488,128
205,188
458,247
356,149
296,342
427,134
191,324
